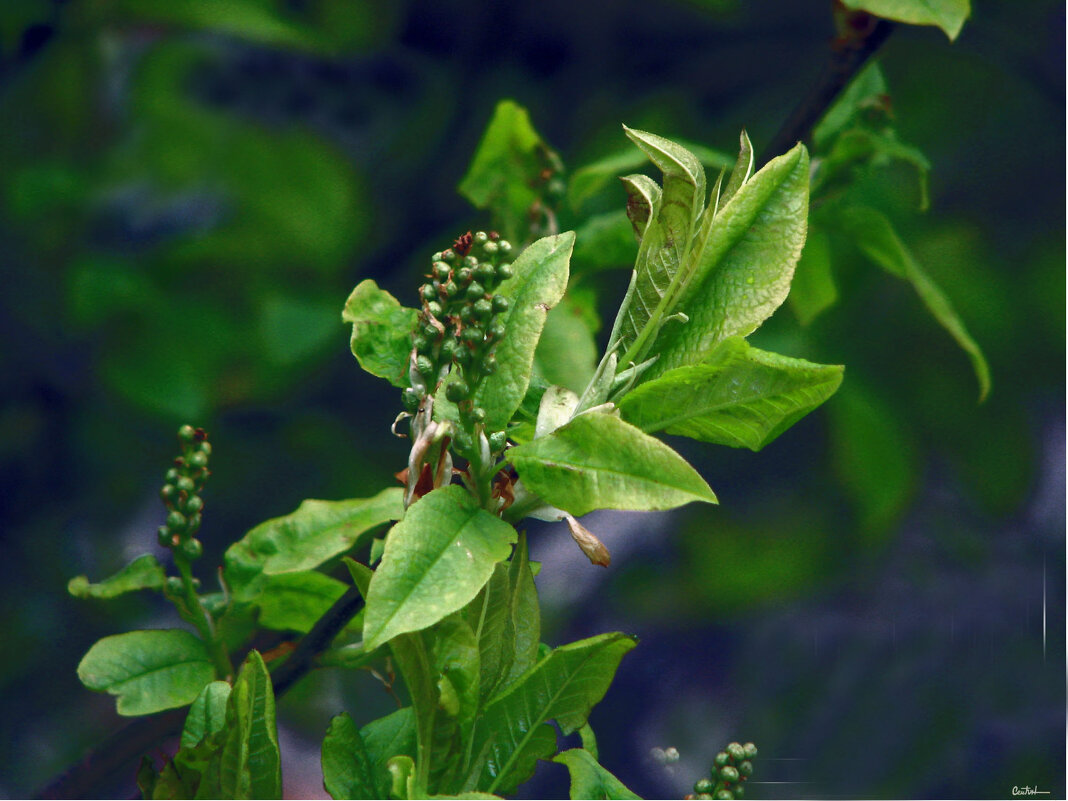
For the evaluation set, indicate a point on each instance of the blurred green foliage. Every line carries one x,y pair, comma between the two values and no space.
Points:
189,195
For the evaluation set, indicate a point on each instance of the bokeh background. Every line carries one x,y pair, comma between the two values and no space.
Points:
190,190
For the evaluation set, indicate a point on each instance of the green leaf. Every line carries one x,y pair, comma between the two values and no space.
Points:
524,613
868,85
381,332
207,715
589,180
538,282
249,763
741,264
348,771
737,396
564,686
387,737
303,540
604,241
296,601
436,560
143,573
507,168
149,671
589,779
597,461
949,15
665,242
874,234
813,289
742,171
567,351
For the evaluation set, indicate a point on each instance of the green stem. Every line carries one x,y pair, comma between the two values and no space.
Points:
202,620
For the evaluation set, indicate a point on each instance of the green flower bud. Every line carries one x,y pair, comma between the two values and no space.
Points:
486,273
205,448
457,391
489,364
192,548
198,460
448,256
185,484
477,415
467,313
737,753
724,795
186,433
505,247
481,238
449,348
463,276
176,521
428,291
750,750
194,504
745,767
410,399
163,535
704,786
728,773
431,332
704,796
463,356
168,492
436,256
470,262
497,441
441,270
497,329
175,586
472,334
171,476
504,271
424,366
721,759
500,304
451,288
420,343
482,309
194,522
434,308
475,291
739,791
490,248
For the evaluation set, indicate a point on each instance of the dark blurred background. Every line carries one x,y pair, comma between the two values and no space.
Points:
190,190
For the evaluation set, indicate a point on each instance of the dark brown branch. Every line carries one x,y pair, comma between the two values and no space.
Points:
126,746
862,35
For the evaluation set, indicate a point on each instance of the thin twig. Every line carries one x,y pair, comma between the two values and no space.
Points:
139,737
862,34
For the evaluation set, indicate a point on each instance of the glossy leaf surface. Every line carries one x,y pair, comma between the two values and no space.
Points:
381,332
207,715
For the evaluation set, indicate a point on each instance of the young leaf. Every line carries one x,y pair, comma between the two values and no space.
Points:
564,686
524,614
393,735
743,169
874,234
381,332
589,779
507,168
603,241
737,396
296,601
348,771
597,461
867,86
949,15
303,540
149,671
436,560
567,351
813,289
248,760
207,715
143,573
538,283
742,262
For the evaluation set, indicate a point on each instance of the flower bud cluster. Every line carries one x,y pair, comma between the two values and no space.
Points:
730,769
459,326
181,493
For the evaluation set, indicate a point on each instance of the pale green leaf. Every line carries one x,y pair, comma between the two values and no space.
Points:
598,461
207,715
149,671
564,686
296,601
348,771
143,573
737,395
385,738
436,560
316,532
381,332
868,85
589,779
567,351
874,234
742,262
949,15
249,762
742,171
604,241
538,282
813,290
